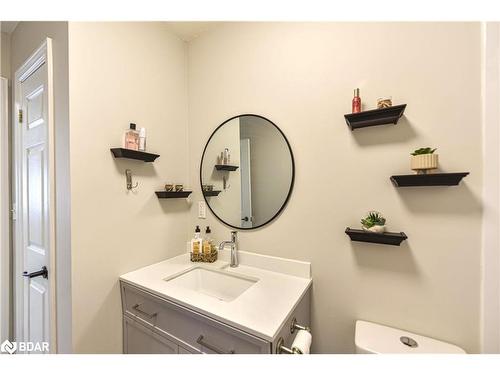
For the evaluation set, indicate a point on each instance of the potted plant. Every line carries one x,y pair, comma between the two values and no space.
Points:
423,159
374,222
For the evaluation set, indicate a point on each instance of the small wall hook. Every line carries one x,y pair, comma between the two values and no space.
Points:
128,175
225,184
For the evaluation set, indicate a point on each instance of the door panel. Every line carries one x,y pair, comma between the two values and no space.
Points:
37,299
32,222
34,108
35,164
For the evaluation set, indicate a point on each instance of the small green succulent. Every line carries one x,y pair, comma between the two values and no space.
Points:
373,218
423,151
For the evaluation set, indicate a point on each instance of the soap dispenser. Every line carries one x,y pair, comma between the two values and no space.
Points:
196,242
207,242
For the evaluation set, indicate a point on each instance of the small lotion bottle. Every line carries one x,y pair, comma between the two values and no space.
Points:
132,138
356,102
142,139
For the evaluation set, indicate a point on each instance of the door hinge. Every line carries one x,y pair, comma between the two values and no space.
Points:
13,213
20,116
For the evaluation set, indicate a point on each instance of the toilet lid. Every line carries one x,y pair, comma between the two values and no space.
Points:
376,338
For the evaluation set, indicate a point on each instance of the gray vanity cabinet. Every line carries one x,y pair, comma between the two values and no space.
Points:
155,325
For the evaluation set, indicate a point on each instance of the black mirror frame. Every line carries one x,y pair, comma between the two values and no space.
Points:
292,182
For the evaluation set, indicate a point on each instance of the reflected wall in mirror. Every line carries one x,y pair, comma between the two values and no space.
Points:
247,171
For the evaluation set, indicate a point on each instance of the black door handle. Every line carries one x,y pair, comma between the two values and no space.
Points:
43,272
245,218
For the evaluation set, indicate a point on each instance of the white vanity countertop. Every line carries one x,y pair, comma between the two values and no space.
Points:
260,310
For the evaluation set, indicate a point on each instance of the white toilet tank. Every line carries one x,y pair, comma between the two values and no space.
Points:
371,338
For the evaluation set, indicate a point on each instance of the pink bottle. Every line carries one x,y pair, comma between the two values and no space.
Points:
356,102
132,138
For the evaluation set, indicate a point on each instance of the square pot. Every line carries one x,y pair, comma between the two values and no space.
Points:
423,163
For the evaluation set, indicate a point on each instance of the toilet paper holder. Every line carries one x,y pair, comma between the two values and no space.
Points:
294,326
280,345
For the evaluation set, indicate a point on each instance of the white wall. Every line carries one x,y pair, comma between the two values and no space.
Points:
25,39
301,76
5,55
121,73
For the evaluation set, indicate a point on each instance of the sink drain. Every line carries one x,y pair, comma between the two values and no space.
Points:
408,341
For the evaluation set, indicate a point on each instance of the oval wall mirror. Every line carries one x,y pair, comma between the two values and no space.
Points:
247,171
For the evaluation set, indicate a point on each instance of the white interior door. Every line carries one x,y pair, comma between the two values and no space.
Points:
32,165
246,184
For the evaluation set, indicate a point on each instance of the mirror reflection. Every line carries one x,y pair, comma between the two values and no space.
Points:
247,171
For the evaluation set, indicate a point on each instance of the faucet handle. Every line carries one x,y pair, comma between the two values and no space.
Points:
233,235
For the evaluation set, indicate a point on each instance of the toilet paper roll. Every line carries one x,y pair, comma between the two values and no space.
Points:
302,341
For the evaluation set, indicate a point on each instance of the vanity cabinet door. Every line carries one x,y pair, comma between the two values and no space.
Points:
139,339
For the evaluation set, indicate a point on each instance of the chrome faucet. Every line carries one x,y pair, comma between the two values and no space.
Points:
234,249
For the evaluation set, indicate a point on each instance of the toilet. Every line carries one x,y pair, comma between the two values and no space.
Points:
371,338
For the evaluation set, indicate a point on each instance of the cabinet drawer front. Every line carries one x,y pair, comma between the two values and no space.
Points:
164,316
221,339
139,339
183,350
189,327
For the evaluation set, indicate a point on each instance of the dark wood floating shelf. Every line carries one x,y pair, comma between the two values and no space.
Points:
226,167
431,179
132,154
387,238
375,117
212,193
173,194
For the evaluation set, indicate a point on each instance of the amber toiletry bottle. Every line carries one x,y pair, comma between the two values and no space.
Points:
356,102
207,242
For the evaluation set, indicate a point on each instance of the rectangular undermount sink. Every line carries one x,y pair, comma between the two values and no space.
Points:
214,283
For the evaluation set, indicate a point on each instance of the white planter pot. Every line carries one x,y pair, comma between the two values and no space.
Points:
423,163
375,229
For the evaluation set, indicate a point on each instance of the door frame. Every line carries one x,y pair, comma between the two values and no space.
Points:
4,214
42,55
245,158
490,267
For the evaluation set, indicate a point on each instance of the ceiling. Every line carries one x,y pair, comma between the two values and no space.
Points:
8,26
188,31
